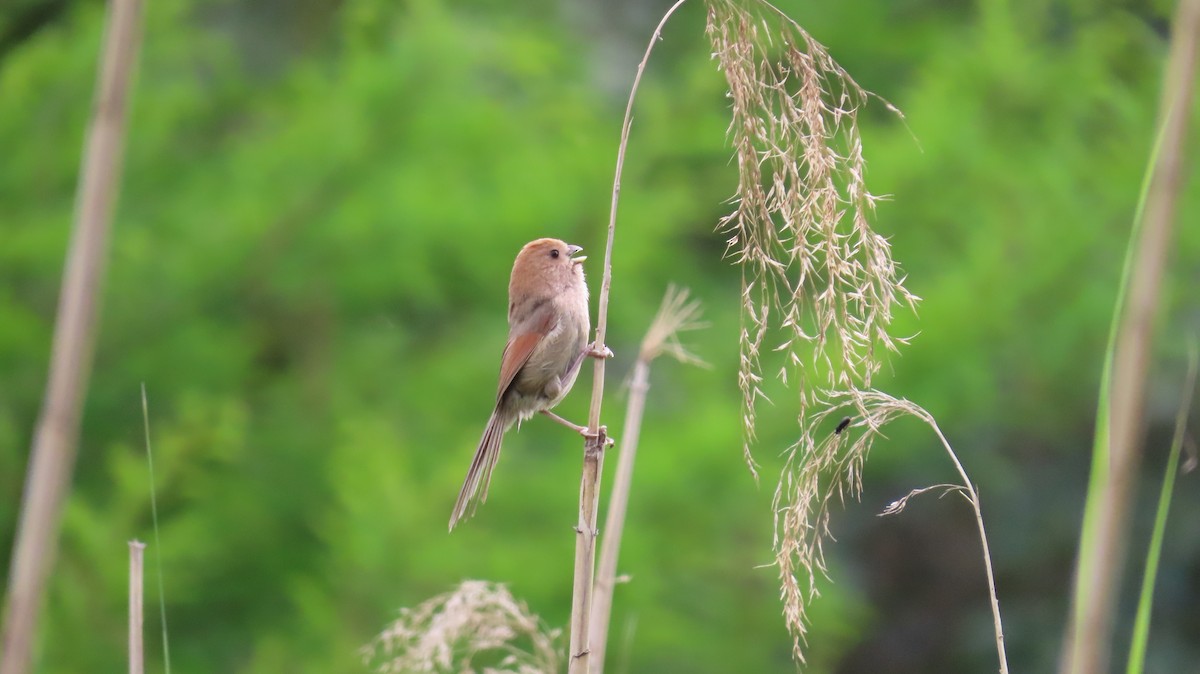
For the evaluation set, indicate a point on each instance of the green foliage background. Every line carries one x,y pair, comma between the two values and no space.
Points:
320,207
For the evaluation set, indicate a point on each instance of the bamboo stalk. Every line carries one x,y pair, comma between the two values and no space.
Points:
54,441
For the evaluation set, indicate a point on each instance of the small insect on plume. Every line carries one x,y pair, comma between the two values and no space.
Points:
842,426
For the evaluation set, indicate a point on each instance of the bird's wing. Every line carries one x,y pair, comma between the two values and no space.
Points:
523,338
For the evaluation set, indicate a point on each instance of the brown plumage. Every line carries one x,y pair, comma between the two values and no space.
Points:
547,341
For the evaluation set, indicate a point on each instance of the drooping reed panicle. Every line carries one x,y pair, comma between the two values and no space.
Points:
819,284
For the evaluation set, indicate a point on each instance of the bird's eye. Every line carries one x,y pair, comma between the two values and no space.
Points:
554,253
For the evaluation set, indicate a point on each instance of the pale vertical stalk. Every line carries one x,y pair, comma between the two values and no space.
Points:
614,520
52,456
136,655
585,551
675,315
593,451
1102,553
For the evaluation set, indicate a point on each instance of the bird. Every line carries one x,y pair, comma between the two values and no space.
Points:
547,342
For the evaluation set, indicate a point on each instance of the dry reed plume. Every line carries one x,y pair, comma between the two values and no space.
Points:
464,630
819,284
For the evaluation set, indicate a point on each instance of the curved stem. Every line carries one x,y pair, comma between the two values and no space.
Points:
983,541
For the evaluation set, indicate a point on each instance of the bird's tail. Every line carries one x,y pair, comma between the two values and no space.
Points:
479,475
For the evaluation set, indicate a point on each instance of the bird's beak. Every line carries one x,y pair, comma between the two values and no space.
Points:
571,250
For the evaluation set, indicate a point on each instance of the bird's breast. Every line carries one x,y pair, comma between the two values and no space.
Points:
552,367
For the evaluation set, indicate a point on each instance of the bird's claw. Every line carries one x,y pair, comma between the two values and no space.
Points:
599,352
589,434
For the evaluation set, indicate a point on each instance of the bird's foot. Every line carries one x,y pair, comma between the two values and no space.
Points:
603,433
599,352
